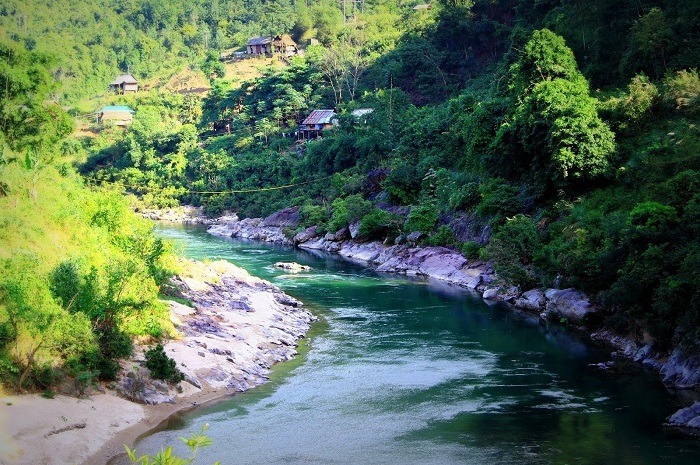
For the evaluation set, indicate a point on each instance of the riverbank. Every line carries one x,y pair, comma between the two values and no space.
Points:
233,327
678,369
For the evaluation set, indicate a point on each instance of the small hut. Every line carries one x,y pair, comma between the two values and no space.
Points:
124,83
316,123
259,46
117,115
284,46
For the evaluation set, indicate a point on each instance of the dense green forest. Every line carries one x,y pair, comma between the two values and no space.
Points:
558,138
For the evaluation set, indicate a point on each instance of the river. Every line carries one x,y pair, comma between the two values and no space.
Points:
402,371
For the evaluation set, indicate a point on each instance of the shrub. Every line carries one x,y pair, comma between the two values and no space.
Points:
499,199
162,366
470,249
378,224
444,236
513,248
421,218
683,90
348,210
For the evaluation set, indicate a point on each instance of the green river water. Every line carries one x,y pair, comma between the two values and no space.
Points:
401,371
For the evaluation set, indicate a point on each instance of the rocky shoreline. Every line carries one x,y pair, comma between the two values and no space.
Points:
232,328
679,370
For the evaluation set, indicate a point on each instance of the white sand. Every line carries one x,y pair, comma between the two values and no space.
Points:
63,430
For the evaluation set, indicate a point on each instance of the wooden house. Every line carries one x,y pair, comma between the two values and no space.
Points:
316,123
424,6
124,83
284,46
117,115
259,46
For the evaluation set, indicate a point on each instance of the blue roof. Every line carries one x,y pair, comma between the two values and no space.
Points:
116,108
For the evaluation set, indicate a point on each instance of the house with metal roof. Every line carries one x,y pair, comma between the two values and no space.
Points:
259,46
124,83
316,123
117,115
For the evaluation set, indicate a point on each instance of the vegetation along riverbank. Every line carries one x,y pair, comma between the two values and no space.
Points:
544,153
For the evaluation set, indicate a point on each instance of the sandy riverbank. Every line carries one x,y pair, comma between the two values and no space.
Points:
237,327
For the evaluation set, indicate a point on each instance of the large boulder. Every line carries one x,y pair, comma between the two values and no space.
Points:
441,263
688,417
305,235
285,218
570,304
533,300
682,370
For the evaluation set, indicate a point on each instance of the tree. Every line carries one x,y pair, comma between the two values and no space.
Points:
28,118
555,125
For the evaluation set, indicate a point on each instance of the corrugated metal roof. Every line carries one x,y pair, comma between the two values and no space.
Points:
259,41
123,79
109,108
319,117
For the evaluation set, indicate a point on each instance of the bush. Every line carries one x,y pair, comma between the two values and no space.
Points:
378,224
499,199
513,249
683,90
444,236
348,210
162,366
310,215
421,218
470,249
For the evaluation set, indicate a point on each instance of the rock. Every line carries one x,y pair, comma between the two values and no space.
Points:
570,304
292,267
441,263
490,293
354,229
688,417
533,300
305,235
682,370
501,294
414,237
285,218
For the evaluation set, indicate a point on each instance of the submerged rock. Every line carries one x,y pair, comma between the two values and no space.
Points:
292,267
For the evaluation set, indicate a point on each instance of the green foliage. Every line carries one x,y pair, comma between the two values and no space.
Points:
683,90
421,218
379,224
499,199
403,183
444,236
512,249
167,457
348,210
162,366
555,123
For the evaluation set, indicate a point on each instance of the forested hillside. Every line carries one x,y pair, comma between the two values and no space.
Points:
558,138
79,273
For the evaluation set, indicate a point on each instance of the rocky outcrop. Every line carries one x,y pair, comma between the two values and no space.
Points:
682,369
688,417
569,304
237,327
186,214
403,257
